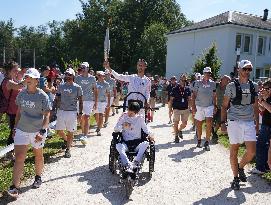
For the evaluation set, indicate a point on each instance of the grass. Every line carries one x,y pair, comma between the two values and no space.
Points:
51,148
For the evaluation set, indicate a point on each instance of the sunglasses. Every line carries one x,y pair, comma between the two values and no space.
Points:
68,74
247,69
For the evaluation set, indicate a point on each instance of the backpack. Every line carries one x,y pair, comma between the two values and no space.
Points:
4,103
238,98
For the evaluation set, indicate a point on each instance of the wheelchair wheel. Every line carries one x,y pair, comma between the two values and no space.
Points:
113,157
151,159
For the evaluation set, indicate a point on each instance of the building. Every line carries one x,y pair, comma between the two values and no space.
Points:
231,31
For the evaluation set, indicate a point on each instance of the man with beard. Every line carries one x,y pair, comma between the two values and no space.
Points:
240,108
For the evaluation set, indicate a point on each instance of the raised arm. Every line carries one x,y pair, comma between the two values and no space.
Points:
125,78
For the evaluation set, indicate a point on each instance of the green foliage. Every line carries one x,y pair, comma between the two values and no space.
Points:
209,58
134,28
74,63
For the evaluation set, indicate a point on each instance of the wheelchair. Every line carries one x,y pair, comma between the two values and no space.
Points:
115,165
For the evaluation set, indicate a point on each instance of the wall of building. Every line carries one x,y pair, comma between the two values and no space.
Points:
184,48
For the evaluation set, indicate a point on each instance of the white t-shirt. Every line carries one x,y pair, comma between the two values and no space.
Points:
136,84
131,127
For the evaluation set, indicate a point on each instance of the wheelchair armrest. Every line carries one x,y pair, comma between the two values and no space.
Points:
116,135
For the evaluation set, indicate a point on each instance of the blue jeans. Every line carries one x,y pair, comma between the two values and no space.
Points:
262,146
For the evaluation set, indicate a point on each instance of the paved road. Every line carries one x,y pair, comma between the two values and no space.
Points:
183,175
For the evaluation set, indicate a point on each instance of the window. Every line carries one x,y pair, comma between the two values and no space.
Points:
238,41
247,43
261,45
266,72
258,73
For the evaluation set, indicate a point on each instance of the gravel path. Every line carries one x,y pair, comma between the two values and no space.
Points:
183,175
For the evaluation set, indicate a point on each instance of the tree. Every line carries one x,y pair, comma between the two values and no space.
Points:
209,59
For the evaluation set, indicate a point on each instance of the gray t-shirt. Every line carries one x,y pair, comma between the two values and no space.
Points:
204,93
112,84
243,112
69,95
32,107
103,88
87,84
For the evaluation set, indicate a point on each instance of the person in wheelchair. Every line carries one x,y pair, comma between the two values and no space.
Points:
131,124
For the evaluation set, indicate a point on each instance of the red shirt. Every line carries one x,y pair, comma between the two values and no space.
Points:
12,107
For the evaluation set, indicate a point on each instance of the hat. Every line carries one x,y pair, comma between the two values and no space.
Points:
100,73
70,71
32,73
173,78
207,70
245,63
197,75
85,64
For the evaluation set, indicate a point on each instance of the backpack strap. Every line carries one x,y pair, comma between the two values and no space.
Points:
238,97
252,91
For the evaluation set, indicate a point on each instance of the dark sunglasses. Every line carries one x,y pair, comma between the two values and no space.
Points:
247,69
68,74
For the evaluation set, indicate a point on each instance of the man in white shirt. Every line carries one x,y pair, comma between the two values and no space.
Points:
137,82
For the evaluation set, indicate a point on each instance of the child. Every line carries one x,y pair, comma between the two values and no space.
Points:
130,124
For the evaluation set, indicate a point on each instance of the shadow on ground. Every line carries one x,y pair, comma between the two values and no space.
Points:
169,145
186,154
258,185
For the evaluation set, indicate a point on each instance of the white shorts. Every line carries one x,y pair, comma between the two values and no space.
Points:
87,107
241,131
66,120
203,112
111,100
101,107
26,138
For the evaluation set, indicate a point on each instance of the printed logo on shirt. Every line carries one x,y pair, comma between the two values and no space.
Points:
127,126
27,104
85,82
68,91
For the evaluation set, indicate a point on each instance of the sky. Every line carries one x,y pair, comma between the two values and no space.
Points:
38,12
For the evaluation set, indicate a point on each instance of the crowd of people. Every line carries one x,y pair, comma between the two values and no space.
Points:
36,97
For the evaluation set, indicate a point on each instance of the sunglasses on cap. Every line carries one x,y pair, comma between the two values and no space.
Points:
247,69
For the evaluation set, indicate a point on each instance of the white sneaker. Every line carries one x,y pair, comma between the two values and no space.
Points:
256,171
13,192
83,140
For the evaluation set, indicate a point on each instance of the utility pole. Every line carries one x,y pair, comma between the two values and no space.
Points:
20,57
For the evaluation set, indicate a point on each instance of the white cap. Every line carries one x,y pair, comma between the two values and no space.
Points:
100,73
197,75
32,73
85,64
245,63
207,70
70,71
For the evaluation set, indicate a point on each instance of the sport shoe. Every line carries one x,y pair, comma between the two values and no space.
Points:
13,191
235,184
177,140
256,171
181,134
242,175
64,145
206,146
136,164
83,140
128,168
67,153
105,124
37,182
169,122
199,144
113,114
99,133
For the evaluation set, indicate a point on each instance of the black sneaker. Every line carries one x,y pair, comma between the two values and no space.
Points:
13,191
67,153
37,182
181,134
206,146
177,140
199,144
242,175
64,145
235,184
113,114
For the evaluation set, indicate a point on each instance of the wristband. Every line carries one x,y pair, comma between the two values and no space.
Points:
42,131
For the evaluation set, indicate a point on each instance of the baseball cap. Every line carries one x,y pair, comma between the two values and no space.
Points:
245,63
70,71
32,73
207,70
197,75
85,64
100,73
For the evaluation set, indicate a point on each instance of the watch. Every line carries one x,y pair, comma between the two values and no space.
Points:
42,131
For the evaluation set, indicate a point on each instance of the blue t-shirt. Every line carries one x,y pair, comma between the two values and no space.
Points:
181,95
43,82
